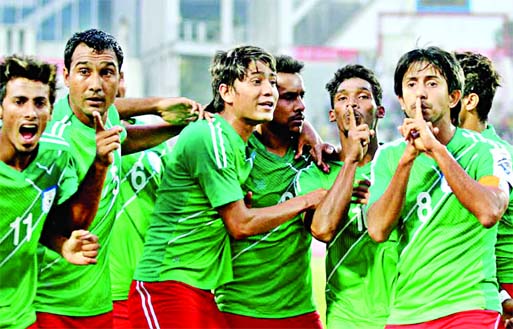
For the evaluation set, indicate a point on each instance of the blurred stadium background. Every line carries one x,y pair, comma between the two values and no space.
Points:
168,44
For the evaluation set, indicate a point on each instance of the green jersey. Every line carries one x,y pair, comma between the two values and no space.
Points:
272,277
447,259
27,197
187,240
504,246
64,288
141,176
359,271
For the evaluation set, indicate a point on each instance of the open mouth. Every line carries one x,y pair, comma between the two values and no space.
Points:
28,131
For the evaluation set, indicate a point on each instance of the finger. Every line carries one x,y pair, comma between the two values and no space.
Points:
108,137
90,239
299,151
248,199
108,148
418,109
90,253
364,182
352,119
77,234
98,123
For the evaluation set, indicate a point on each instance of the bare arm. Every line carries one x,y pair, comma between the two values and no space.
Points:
142,137
169,108
80,209
484,199
334,207
383,215
241,221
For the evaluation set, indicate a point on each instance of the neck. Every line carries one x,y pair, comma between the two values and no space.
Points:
474,124
445,131
277,140
16,160
243,128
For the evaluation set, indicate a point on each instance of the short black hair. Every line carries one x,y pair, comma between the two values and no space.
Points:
481,78
288,64
93,38
231,65
443,60
354,71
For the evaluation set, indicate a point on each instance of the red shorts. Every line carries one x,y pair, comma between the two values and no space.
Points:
475,319
172,304
120,314
53,321
308,320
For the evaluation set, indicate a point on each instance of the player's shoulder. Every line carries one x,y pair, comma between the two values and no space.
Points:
52,142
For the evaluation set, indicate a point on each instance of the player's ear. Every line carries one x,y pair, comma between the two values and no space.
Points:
454,98
226,93
380,112
1,112
65,75
470,101
332,116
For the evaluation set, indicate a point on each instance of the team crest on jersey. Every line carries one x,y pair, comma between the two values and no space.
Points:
503,165
48,198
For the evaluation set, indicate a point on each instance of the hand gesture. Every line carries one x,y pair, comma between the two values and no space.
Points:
81,248
358,136
419,133
180,111
107,141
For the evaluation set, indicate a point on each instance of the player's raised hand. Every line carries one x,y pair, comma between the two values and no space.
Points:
180,111
419,133
81,248
107,141
358,136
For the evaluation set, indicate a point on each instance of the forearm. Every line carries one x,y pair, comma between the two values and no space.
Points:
80,209
53,241
383,215
140,138
129,107
334,207
487,203
242,222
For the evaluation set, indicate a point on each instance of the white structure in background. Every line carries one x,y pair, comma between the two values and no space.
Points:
169,43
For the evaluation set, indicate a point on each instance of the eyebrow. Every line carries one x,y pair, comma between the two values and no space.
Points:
86,63
427,77
342,91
